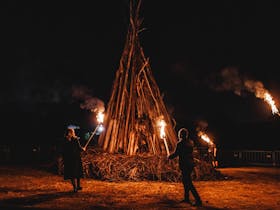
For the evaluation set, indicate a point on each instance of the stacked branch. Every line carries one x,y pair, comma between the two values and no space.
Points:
100,165
136,103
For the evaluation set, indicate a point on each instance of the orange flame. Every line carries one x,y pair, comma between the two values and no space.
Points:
260,92
100,117
205,137
162,124
268,98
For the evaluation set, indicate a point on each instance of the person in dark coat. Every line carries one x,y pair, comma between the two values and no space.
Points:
72,159
184,149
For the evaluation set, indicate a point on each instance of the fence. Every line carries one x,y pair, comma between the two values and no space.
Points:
5,153
225,158
256,157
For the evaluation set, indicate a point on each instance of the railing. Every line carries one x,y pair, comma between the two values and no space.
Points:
252,157
226,158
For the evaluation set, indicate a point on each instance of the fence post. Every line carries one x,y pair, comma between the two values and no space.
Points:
273,158
239,154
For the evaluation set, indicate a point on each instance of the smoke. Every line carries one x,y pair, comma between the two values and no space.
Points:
255,87
201,125
232,80
88,102
81,92
93,104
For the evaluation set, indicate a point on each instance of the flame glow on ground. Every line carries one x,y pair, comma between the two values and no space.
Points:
29,188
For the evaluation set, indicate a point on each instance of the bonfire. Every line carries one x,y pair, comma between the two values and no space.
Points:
139,133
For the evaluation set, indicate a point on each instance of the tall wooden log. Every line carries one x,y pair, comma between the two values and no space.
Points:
135,104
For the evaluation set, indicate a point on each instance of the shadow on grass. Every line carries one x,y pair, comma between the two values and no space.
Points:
28,202
174,204
166,204
24,202
16,190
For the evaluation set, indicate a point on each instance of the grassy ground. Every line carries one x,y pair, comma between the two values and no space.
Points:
246,188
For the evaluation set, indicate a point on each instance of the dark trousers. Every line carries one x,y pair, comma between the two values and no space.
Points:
188,184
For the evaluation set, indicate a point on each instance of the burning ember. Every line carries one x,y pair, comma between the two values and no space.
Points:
205,137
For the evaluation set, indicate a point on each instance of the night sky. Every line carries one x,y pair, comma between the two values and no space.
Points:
49,49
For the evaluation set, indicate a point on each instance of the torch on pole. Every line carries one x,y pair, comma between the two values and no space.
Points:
98,127
166,146
162,124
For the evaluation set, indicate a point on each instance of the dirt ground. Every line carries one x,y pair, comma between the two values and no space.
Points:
245,188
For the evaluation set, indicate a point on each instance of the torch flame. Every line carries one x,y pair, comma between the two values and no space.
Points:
162,125
268,98
99,128
260,92
205,137
100,117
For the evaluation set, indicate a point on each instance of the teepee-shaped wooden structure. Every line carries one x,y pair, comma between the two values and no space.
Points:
136,114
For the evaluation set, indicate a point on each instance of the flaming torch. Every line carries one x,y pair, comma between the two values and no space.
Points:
212,150
258,89
205,137
99,127
268,98
94,105
162,124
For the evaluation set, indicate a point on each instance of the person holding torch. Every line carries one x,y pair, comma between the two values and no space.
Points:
71,153
184,149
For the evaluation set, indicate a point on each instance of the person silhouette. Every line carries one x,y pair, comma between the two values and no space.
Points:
184,149
72,159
